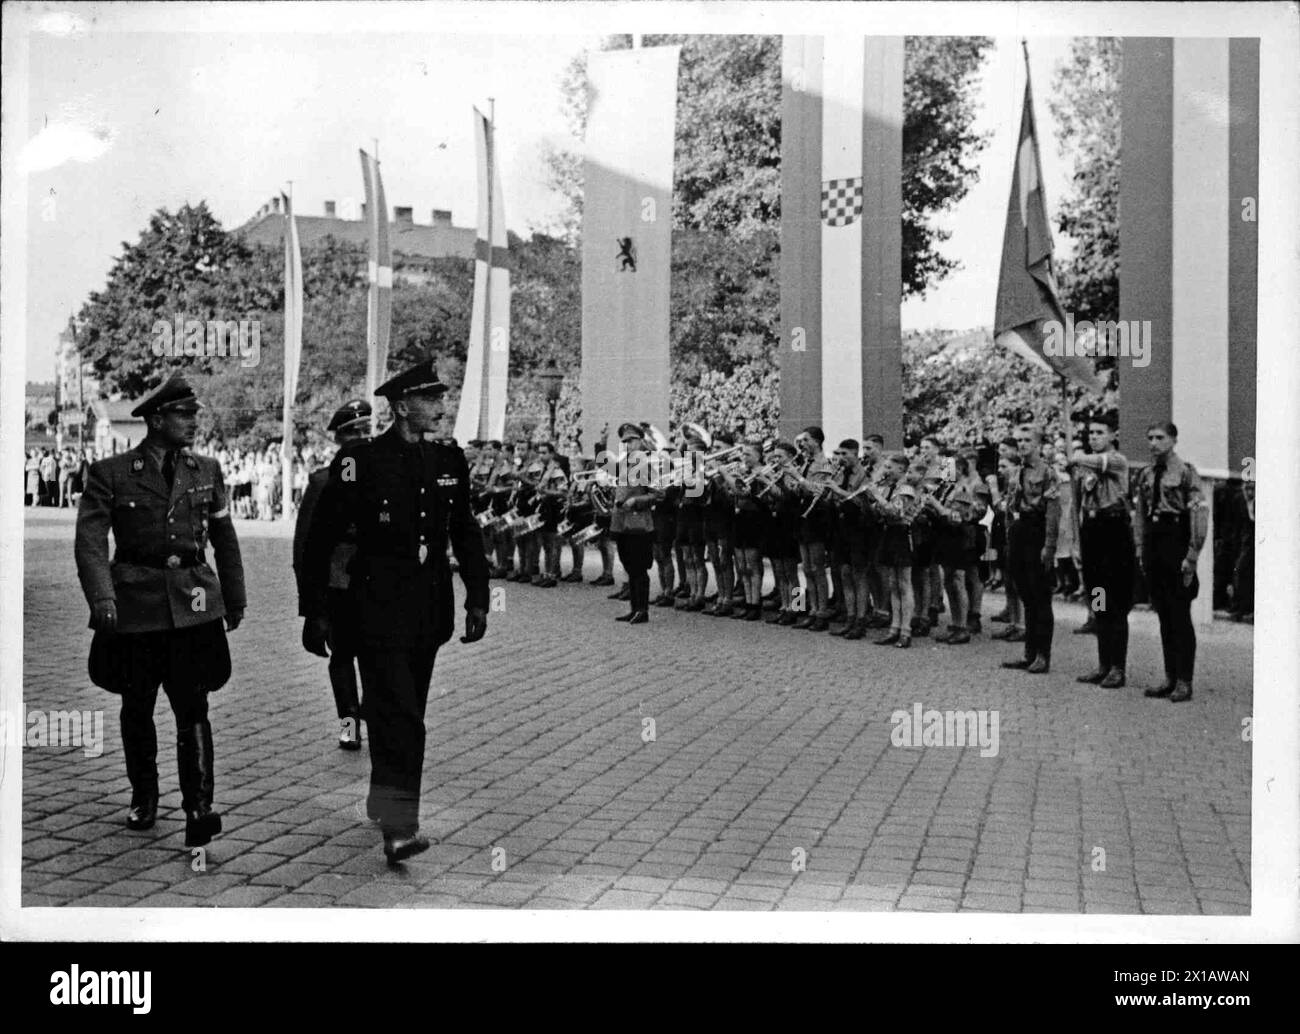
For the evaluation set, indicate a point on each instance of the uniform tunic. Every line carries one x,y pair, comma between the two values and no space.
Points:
1168,496
1101,486
1034,513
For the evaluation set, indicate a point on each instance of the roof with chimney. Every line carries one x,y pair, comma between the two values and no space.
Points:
409,239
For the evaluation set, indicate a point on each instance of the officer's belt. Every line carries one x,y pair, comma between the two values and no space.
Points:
1110,513
188,558
1169,518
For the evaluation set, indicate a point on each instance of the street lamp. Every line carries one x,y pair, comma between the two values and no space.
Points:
552,379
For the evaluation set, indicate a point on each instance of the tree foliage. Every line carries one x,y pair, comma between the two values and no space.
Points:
1085,105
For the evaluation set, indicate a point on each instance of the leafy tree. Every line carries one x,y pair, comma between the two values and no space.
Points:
1085,105
962,388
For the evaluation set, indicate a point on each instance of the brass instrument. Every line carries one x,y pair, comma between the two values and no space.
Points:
581,538
526,525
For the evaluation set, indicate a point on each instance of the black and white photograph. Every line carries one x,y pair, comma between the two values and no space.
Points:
798,460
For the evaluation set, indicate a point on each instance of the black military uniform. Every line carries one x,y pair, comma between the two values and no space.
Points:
340,601
1169,512
1034,513
1106,549
405,499
167,604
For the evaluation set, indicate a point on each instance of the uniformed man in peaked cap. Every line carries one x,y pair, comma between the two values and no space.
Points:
157,608
406,497
350,423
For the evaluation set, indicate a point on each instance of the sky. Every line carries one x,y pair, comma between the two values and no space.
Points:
121,124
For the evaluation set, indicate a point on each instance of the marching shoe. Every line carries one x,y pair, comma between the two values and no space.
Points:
1017,635
1163,690
547,583
956,637
974,627
350,734
787,619
1001,617
889,640
753,612
1016,665
626,617
144,810
1114,679
1040,666
878,620
856,630
804,622
1182,691
1093,677
818,625
397,848
664,599
572,576
625,593
904,641
639,618
695,606
682,592
603,580
920,628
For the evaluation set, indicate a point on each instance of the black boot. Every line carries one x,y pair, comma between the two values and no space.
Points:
141,750
194,766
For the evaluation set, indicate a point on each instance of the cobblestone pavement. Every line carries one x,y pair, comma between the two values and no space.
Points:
770,781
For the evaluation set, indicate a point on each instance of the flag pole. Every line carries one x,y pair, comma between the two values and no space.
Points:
484,387
286,445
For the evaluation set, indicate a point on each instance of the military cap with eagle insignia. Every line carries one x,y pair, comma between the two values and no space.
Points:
420,379
355,412
173,394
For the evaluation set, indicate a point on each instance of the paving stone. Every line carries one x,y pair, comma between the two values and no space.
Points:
534,746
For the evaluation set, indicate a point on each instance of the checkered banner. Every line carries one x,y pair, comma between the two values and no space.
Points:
841,201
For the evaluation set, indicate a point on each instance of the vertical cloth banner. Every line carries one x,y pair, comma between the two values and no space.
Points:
482,412
1189,246
379,275
841,236
292,347
627,240
1028,297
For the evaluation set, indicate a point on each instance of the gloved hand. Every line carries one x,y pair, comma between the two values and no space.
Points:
316,636
475,625
103,616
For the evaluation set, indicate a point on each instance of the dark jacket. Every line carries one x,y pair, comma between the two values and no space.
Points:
127,495
343,552
405,499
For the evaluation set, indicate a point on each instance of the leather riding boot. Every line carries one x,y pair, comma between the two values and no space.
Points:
141,751
194,763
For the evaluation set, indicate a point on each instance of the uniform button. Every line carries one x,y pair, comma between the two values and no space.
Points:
422,513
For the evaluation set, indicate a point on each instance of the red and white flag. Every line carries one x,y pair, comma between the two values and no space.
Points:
379,273
482,412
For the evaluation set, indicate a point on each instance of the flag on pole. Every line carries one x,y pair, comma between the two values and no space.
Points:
1028,297
482,412
292,346
379,308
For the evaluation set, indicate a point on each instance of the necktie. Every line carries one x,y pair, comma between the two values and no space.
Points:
169,468
1155,489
